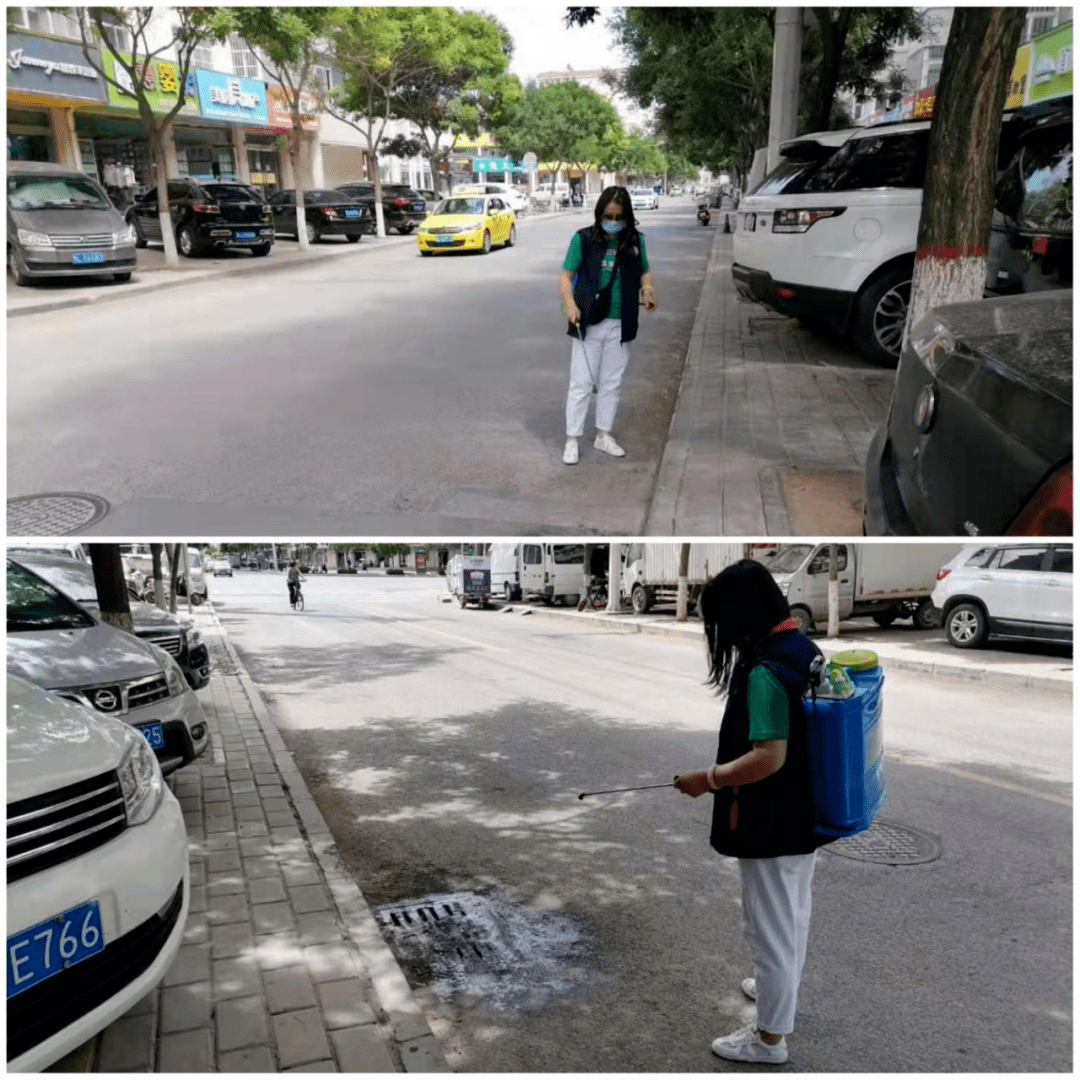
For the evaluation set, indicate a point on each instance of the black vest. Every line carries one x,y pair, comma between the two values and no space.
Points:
774,816
629,270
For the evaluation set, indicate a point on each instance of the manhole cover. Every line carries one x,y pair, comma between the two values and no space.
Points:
515,959
59,514
888,843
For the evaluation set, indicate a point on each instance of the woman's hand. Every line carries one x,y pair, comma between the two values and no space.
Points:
573,313
649,298
693,783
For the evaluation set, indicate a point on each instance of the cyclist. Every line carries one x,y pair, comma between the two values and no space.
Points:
294,577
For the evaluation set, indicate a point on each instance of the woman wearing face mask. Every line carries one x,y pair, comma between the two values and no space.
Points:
609,260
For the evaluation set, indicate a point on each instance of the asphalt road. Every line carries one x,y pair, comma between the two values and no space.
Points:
378,392
447,747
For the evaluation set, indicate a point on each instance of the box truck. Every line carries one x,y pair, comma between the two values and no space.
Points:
548,571
883,581
468,577
651,571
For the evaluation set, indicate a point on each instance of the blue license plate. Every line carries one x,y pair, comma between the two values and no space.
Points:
153,733
444,239
53,945
352,213
418,206
87,258
245,236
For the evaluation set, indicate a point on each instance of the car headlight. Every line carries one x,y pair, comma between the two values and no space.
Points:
126,235
175,678
933,344
34,239
140,781
194,637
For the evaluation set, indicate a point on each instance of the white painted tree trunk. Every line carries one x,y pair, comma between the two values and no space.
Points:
938,281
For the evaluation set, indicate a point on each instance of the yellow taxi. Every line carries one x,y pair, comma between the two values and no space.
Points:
467,223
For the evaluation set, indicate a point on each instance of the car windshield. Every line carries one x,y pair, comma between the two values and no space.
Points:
888,160
788,559
231,193
75,579
33,604
460,206
54,193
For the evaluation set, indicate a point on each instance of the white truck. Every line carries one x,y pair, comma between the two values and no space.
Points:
468,578
883,581
548,571
651,571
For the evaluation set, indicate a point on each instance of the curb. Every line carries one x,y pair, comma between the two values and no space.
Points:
983,676
418,1048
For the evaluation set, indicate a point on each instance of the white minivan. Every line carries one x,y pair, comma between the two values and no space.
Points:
97,874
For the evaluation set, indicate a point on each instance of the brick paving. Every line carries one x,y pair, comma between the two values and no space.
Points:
282,967
759,397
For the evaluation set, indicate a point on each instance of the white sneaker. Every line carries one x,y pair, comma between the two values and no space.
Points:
746,1044
749,988
609,446
570,452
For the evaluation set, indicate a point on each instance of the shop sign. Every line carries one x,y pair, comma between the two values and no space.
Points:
924,104
160,80
59,68
229,97
278,103
497,164
1018,81
1051,67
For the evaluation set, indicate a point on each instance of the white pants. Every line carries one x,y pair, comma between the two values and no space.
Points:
607,358
776,922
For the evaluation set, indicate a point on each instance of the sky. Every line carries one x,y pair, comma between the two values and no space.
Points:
543,43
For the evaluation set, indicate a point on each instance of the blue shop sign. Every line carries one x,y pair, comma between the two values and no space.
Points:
498,164
229,97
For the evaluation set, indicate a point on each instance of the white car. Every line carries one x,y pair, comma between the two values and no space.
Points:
509,194
97,874
60,646
1016,589
644,199
222,568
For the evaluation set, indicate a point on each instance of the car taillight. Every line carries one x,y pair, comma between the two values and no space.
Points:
798,221
329,211
205,208
266,210
1049,511
399,201
943,573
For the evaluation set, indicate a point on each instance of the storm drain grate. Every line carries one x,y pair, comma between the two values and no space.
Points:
444,929
888,843
59,514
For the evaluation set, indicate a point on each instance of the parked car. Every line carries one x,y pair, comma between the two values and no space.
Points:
181,639
403,207
467,223
644,199
326,213
515,199
1016,589
222,568
60,223
431,199
205,217
98,887
54,642
978,440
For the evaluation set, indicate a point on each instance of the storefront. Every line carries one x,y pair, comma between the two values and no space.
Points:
49,82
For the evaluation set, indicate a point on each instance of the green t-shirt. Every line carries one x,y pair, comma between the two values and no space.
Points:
575,256
768,706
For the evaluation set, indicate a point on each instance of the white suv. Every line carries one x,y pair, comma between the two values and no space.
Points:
1016,589
55,643
97,874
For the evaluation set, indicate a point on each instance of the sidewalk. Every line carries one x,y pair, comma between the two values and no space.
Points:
283,967
772,423
899,648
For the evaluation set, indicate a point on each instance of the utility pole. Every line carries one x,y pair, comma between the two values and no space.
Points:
834,595
784,98
614,577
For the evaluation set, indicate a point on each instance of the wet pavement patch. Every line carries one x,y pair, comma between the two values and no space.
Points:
822,500
888,843
513,958
56,514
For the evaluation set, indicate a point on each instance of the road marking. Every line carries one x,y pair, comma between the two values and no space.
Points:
455,637
1019,789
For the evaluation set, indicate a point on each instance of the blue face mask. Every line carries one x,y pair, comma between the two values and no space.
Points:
612,226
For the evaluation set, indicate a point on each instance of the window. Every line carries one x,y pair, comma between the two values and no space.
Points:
244,63
1061,561
118,37
1027,558
33,604
202,57
878,161
820,563
45,21
981,559
531,555
569,554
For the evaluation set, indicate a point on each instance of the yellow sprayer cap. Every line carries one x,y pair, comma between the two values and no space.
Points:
856,659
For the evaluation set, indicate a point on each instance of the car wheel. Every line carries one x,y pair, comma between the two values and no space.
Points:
122,277
884,618
966,626
880,314
313,236
15,267
261,249
353,239
486,248
405,229
511,240
140,240
186,242
925,617
803,617
197,598
640,600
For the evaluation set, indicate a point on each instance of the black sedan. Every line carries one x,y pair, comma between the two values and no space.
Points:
403,207
978,441
327,213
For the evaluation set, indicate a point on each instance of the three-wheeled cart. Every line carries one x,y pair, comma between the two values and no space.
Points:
468,577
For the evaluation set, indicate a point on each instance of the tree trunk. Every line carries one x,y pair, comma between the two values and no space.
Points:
295,159
174,574
683,600
168,237
834,595
159,582
833,39
380,216
958,196
111,588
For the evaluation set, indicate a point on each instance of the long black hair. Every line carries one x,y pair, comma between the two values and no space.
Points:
739,607
630,233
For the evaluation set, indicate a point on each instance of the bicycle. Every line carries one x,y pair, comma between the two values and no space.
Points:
297,600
